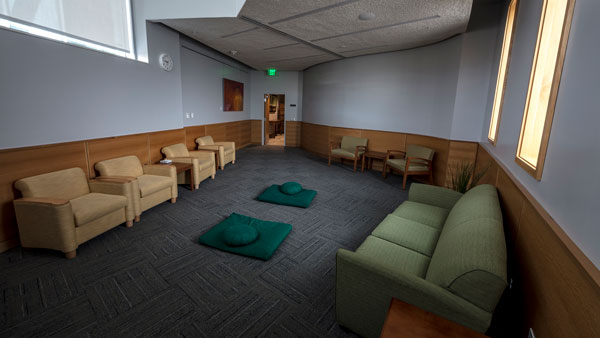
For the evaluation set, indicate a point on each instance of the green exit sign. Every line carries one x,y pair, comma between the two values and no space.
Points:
271,72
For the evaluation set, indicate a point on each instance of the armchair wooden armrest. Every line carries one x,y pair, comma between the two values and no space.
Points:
332,144
363,148
417,160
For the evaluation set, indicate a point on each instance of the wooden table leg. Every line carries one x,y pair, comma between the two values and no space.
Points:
192,178
362,166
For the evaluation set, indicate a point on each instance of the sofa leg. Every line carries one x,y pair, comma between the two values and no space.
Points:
129,224
71,254
222,167
233,162
173,200
137,218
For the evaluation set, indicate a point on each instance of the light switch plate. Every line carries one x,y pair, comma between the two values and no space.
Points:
187,115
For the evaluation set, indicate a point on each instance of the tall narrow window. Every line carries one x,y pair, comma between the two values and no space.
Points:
548,59
502,71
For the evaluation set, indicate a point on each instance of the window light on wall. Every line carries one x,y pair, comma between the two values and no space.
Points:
502,71
546,70
99,25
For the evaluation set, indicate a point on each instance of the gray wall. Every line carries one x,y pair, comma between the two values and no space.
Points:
408,91
202,76
569,186
52,92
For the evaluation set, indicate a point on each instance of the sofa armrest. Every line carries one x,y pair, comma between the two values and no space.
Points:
115,179
122,187
433,195
46,223
209,147
168,171
203,155
364,290
226,144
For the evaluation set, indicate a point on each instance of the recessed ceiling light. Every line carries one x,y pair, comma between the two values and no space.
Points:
367,16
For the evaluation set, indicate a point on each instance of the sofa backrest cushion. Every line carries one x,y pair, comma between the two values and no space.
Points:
349,143
470,256
413,150
121,166
66,184
176,150
205,141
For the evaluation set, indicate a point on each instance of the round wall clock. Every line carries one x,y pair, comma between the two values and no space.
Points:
165,62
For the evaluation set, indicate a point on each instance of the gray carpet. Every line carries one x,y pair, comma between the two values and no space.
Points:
155,280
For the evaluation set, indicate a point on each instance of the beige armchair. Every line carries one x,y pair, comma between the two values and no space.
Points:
202,161
151,184
62,209
226,149
351,148
416,160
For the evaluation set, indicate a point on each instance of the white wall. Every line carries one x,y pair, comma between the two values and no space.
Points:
569,186
409,91
476,68
202,76
52,92
288,83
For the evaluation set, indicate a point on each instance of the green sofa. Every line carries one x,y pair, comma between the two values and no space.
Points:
440,250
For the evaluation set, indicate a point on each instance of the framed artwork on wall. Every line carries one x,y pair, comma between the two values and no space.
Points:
233,95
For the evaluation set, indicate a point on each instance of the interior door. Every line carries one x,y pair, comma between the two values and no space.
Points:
266,120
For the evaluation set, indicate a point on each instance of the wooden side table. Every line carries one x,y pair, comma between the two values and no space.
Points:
183,167
408,321
370,155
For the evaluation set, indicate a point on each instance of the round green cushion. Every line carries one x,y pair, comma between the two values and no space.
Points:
291,188
240,234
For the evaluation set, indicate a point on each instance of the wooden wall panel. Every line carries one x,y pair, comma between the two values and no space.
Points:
440,159
459,152
256,131
191,134
160,139
111,147
232,132
245,133
293,136
384,141
484,160
25,162
336,133
217,131
315,138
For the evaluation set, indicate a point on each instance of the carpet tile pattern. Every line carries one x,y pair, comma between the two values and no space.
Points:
155,280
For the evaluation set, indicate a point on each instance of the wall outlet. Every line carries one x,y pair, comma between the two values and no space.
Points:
187,115
531,335
192,114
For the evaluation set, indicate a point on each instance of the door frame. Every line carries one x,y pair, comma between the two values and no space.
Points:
265,128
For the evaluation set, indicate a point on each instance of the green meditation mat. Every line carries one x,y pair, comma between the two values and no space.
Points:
270,236
273,195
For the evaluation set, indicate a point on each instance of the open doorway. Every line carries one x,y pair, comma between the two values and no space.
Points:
274,119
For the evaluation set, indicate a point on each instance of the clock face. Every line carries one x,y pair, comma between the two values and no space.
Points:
166,62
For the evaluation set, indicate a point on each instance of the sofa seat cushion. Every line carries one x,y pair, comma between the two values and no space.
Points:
149,184
344,153
92,206
422,213
394,257
400,163
409,234
204,164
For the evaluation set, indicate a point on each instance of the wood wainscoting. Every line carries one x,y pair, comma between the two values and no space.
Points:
556,288
293,132
29,161
256,131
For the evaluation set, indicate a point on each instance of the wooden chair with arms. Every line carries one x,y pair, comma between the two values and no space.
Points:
350,148
416,160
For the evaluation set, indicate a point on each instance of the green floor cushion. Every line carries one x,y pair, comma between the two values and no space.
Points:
394,257
422,213
240,234
274,195
290,188
409,234
270,236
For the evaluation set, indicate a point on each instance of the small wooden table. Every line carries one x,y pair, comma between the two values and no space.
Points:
370,155
183,167
408,321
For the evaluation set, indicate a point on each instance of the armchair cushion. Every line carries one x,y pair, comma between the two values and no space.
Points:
400,163
413,150
149,184
122,166
176,150
344,153
205,141
409,234
92,206
65,184
423,213
349,143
